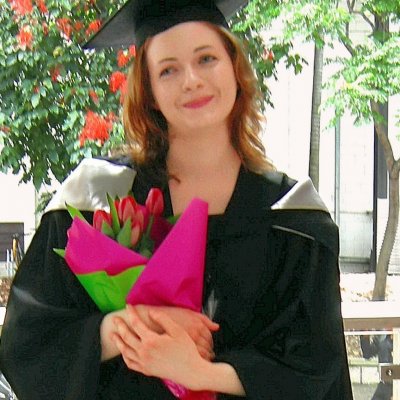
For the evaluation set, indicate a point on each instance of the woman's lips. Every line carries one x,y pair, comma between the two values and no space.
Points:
200,102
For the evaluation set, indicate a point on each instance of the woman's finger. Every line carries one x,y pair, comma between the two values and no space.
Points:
206,354
205,335
211,325
128,354
165,322
137,325
205,348
203,344
128,335
126,350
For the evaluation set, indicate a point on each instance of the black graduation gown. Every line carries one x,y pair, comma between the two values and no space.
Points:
272,275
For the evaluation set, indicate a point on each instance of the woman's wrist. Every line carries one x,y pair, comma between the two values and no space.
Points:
217,377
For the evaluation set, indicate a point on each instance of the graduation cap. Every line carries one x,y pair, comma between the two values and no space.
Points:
137,20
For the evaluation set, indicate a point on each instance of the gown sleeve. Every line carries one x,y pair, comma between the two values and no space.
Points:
292,346
51,331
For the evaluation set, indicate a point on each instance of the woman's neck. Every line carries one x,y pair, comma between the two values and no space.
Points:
204,167
195,156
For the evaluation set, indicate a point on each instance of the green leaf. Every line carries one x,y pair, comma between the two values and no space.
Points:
173,218
60,252
11,61
114,215
35,100
47,83
107,230
74,212
54,109
146,246
53,156
124,235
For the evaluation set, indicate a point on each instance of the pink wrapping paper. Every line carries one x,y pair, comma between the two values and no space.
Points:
88,250
174,274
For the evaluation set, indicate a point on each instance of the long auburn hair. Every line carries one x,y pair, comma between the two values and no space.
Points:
146,129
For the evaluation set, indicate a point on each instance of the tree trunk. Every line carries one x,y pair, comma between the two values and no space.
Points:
313,166
389,238
382,28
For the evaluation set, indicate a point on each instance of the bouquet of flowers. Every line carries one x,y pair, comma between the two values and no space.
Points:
133,255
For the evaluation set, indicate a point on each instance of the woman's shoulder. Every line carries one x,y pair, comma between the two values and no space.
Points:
290,194
87,186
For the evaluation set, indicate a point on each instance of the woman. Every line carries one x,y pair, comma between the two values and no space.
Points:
271,282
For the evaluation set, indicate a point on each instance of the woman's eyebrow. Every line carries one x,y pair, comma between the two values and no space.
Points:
167,59
200,48
197,49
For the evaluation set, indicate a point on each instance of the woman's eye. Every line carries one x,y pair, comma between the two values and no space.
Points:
166,71
206,59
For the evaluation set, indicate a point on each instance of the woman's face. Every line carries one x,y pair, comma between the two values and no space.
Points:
192,77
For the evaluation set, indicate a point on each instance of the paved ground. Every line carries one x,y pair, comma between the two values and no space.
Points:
359,287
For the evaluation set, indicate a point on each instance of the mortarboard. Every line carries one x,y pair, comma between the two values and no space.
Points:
137,20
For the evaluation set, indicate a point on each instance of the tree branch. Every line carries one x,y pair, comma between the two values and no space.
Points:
349,48
366,19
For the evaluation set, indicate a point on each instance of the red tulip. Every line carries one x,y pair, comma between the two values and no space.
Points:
139,218
127,208
135,233
155,202
116,203
99,217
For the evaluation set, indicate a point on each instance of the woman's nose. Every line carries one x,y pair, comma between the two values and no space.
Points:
192,79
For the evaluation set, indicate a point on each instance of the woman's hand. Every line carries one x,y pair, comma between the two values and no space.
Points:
171,354
107,328
162,348
196,325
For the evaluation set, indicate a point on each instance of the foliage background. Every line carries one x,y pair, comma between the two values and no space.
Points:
48,85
